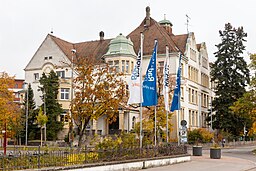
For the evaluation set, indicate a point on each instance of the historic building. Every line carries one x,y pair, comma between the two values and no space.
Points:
120,52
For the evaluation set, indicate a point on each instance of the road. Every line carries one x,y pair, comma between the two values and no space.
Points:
232,159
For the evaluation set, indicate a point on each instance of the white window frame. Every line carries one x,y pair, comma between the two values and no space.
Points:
64,93
36,76
60,74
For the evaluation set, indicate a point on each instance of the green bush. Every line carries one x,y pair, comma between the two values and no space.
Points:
200,135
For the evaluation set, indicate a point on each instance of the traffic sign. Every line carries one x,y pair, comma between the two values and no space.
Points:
183,123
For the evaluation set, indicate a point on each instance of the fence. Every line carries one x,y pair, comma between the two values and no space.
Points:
18,159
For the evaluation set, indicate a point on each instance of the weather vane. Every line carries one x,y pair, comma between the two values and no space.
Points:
188,18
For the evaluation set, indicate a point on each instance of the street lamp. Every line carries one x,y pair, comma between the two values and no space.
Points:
45,115
71,97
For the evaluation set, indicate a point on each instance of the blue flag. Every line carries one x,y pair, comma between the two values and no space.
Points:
176,96
149,83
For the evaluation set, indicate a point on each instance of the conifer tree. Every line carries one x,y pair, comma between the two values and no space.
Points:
230,75
32,112
50,87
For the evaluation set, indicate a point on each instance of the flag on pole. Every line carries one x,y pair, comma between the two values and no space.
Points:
176,97
135,83
149,83
166,79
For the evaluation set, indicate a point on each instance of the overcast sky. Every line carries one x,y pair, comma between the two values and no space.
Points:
26,23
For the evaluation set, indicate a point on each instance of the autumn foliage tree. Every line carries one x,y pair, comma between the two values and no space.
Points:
10,114
41,121
149,114
245,106
99,91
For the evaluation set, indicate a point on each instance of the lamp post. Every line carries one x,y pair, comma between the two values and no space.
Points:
45,115
73,51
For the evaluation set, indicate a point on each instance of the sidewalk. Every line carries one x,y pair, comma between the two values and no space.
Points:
204,163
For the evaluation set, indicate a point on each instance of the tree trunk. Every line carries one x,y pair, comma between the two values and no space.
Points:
41,130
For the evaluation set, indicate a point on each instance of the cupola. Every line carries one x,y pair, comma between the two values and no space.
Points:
120,46
166,24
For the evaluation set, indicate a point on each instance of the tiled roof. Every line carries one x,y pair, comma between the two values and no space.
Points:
180,41
65,46
92,49
96,49
152,32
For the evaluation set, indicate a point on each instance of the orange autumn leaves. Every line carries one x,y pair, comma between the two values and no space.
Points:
10,113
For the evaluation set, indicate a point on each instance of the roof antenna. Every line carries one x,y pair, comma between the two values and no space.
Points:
188,18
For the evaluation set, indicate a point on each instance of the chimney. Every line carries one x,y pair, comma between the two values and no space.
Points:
101,35
147,23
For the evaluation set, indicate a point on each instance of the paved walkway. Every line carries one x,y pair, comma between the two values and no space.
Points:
204,163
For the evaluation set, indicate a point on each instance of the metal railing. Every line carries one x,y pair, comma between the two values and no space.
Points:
20,159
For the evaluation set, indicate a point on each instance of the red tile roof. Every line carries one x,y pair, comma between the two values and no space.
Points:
96,49
154,31
92,49
65,46
180,41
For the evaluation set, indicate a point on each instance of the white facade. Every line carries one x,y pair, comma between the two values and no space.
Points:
50,57
195,89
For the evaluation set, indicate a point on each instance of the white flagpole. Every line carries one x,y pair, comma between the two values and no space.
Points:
156,87
178,114
155,125
167,132
141,47
178,127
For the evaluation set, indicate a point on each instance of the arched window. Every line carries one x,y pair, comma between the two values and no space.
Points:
133,122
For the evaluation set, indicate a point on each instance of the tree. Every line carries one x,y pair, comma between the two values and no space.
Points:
230,75
10,113
245,106
98,91
149,113
50,88
32,113
41,121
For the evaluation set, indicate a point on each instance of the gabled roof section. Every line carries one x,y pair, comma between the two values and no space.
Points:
65,46
181,41
152,32
93,49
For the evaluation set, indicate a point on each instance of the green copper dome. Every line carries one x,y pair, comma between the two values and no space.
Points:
120,46
165,21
